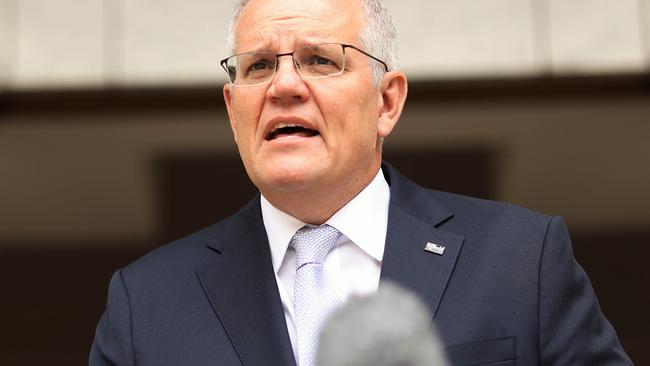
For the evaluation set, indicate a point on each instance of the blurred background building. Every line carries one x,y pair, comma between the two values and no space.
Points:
114,139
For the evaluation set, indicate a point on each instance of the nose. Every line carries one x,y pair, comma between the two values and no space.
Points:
287,84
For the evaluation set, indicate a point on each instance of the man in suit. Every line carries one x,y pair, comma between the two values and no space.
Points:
313,92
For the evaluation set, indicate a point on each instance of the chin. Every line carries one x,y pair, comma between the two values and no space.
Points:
288,178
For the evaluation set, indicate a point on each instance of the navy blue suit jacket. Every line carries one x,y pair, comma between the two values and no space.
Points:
506,291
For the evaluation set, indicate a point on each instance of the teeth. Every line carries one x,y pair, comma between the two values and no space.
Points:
280,125
283,125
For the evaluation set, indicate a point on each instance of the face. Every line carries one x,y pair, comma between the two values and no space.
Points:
337,144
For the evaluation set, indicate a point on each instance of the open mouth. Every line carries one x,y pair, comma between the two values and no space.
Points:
286,130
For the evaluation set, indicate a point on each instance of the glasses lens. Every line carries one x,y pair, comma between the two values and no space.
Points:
320,60
251,68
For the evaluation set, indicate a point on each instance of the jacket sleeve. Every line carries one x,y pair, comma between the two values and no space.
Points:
572,328
113,344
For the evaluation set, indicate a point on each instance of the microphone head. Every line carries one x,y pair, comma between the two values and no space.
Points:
390,328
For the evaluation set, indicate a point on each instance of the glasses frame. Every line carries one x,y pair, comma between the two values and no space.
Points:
224,63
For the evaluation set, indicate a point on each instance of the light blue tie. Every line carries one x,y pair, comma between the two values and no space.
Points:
313,297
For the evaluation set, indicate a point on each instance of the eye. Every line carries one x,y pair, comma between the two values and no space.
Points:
260,65
320,61
323,61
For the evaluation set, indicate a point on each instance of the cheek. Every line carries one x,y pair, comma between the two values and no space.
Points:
363,112
247,110
351,111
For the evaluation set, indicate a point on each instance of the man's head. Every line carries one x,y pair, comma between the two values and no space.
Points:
378,36
336,150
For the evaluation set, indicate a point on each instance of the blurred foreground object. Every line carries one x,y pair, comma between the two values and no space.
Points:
390,328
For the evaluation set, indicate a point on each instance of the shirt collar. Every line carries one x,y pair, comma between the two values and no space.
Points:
363,220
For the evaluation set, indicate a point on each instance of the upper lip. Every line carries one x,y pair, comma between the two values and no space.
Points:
276,122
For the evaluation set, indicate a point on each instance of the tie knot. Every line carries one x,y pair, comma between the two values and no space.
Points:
312,243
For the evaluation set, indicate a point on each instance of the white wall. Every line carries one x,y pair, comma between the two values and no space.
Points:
7,36
466,38
97,43
173,41
597,36
57,43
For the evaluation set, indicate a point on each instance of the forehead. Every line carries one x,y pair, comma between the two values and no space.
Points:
279,24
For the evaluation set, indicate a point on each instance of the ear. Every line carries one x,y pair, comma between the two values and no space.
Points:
228,97
393,90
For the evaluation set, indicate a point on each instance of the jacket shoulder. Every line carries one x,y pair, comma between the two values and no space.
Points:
434,205
191,251
485,207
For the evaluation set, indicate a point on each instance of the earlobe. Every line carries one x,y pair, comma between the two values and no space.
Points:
393,89
227,96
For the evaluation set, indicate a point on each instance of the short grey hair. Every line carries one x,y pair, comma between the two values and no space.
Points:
378,36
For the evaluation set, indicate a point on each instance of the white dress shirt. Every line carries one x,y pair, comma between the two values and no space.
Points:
353,266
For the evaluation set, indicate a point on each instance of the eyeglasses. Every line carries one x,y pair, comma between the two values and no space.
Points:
312,62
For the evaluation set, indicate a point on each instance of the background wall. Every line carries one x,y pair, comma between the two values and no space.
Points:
113,131
125,43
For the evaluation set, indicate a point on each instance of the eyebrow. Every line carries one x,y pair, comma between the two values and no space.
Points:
306,41
309,38
262,46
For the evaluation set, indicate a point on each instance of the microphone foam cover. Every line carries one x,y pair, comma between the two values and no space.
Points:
389,328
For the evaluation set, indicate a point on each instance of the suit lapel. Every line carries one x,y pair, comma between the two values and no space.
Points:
413,221
240,284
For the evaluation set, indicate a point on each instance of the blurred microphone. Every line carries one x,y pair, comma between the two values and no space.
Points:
390,328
